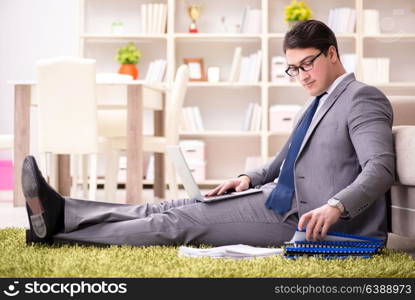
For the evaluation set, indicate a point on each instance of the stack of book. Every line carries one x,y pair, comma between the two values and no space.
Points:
342,20
376,70
245,69
251,21
156,71
335,245
191,119
371,23
153,18
252,121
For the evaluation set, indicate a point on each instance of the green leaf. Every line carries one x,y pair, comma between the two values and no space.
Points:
129,54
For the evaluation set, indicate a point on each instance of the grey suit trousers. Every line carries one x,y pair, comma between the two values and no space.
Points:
243,220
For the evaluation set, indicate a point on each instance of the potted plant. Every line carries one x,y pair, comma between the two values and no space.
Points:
297,11
129,56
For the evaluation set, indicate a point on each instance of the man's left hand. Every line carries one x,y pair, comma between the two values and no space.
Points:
319,221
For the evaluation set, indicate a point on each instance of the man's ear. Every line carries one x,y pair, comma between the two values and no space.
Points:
332,54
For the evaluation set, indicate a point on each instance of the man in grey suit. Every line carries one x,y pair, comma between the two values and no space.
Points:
332,173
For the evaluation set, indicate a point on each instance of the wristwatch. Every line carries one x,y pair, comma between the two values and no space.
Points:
336,203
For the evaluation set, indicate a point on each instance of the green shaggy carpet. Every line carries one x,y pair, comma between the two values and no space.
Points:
19,260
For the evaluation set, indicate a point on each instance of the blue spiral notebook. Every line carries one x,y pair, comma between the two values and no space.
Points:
335,245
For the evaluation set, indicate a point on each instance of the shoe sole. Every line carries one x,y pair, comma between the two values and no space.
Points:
33,204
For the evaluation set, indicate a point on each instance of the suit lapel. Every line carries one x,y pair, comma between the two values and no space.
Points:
334,95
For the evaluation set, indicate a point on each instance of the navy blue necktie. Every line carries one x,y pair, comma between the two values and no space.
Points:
281,196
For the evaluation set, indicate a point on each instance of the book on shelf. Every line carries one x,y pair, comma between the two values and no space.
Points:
256,69
252,121
243,74
236,64
245,68
191,119
371,24
248,117
251,21
156,71
244,13
198,117
376,69
250,68
342,20
153,18
256,118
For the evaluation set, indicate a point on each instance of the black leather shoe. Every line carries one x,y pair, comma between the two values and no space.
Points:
43,204
32,238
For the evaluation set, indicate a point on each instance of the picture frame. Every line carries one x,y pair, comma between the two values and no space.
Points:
196,69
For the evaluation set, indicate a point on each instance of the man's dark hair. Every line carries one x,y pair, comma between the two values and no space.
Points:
310,34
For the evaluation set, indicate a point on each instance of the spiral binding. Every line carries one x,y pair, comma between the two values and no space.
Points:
328,256
347,250
334,244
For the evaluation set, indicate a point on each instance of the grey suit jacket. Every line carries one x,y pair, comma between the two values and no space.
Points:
347,154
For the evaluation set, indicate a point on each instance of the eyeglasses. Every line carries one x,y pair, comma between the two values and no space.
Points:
305,66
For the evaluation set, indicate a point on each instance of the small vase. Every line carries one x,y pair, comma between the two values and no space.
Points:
291,24
129,69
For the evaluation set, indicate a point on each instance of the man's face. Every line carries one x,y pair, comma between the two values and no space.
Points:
316,80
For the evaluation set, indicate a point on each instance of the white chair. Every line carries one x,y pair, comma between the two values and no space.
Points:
112,125
68,113
6,141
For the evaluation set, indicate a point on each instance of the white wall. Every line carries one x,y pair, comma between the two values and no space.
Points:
30,30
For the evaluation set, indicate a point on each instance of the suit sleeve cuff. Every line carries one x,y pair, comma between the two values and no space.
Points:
250,179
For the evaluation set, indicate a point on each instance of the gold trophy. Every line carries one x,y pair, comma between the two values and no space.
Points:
194,13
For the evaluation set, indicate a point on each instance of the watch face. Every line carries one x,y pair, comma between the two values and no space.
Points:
333,202
336,203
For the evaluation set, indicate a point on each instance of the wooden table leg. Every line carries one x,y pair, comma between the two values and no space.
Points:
64,175
21,138
134,144
159,158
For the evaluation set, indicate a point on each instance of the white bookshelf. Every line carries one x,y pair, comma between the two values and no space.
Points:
227,145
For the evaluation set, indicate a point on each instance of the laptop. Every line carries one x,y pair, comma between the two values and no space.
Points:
189,183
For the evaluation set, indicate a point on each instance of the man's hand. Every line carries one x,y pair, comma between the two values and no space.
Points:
319,221
238,184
